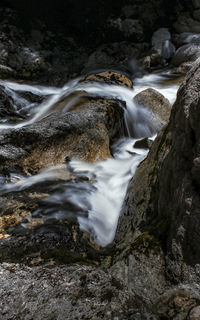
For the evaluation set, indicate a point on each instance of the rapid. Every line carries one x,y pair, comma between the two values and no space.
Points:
96,198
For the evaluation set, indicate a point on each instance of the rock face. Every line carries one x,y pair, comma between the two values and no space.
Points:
174,206
75,292
163,204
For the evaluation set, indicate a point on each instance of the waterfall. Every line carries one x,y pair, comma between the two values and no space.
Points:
97,199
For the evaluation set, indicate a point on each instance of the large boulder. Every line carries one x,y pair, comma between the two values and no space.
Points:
158,231
163,198
83,134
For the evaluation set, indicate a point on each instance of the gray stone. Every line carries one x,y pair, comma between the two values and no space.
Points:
157,103
187,53
188,37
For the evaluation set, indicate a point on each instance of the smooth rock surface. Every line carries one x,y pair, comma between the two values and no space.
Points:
157,103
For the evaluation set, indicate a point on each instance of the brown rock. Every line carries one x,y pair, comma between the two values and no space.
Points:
110,77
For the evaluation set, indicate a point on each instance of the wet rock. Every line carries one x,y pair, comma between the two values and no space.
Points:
168,209
8,108
110,77
52,292
160,215
140,264
186,55
157,103
162,47
143,144
84,134
159,37
186,38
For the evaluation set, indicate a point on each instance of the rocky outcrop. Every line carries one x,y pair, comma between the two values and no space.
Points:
161,212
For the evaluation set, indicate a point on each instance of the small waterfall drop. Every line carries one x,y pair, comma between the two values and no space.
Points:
96,200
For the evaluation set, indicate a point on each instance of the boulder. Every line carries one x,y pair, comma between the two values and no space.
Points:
114,56
186,38
110,77
186,55
162,47
185,23
157,103
159,37
84,134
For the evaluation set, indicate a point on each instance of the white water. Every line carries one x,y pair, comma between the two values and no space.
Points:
96,205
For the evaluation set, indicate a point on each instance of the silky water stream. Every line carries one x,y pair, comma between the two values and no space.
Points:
96,204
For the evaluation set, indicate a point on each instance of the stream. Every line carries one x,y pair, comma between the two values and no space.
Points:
97,198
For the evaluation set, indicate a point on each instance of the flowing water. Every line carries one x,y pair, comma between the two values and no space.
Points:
96,199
